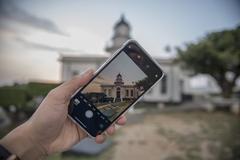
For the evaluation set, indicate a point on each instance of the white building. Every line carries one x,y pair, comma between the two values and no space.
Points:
169,90
119,91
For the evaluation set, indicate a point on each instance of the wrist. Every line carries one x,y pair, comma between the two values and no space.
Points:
21,143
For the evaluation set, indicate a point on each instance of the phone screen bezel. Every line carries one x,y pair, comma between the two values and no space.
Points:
142,51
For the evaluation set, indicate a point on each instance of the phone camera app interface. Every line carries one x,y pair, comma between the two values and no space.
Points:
116,87
112,91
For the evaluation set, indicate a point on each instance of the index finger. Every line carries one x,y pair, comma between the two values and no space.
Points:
122,120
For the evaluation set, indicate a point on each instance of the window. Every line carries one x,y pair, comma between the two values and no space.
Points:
74,73
127,93
118,93
105,91
131,93
163,86
109,92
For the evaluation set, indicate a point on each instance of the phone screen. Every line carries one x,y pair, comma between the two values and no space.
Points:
115,88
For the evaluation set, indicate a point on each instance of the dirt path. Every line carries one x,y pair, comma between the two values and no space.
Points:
172,137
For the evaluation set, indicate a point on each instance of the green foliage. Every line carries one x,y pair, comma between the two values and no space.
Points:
36,89
217,54
21,95
12,96
145,83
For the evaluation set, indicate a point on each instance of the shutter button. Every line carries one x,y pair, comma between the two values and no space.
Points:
89,114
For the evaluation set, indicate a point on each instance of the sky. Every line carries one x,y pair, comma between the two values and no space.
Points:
34,33
130,71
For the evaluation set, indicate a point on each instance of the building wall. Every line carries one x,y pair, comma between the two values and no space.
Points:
173,90
69,69
112,89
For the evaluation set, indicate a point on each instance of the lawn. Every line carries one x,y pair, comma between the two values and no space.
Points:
181,135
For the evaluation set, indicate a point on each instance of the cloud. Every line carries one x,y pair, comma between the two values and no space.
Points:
10,11
34,45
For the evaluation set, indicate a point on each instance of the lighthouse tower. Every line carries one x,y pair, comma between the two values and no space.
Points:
121,34
118,85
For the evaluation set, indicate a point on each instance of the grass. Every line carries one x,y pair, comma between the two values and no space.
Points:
220,132
20,94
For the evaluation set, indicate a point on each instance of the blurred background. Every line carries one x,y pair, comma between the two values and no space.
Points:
193,113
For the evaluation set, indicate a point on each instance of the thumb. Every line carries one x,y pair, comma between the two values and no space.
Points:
67,89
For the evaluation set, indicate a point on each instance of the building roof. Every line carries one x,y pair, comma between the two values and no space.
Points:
119,75
83,58
122,21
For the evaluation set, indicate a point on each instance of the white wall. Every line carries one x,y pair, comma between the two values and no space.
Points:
173,93
69,68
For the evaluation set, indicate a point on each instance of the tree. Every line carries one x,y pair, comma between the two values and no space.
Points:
217,54
143,84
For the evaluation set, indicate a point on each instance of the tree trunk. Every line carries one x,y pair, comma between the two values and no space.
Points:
227,88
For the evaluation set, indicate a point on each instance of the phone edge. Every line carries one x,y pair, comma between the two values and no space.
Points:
106,62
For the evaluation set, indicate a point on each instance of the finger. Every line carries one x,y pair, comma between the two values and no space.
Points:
122,120
111,130
100,138
68,88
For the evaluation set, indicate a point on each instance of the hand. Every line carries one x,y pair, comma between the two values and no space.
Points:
50,130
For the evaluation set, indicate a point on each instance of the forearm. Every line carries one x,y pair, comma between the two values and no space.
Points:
21,143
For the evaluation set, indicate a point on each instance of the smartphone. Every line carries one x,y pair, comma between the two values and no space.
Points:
116,86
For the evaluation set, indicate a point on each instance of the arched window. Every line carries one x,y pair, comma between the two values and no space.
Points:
105,91
127,92
131,92
118,92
